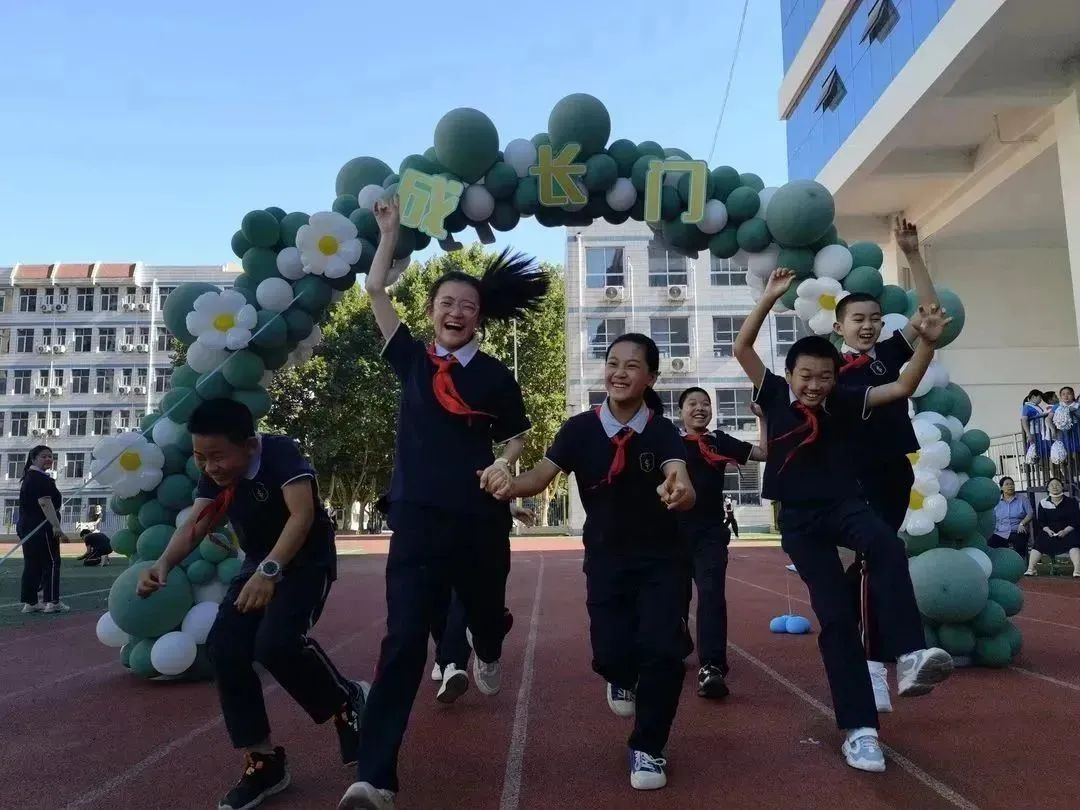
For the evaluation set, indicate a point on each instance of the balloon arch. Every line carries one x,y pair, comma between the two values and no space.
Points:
296,265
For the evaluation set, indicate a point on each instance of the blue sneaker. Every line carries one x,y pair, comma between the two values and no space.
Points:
864,753
621,701
646,772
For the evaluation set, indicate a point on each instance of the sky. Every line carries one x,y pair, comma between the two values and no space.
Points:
135,131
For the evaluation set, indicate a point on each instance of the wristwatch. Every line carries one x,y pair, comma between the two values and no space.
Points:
271,569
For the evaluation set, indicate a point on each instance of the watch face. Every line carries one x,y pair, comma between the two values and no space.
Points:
270,568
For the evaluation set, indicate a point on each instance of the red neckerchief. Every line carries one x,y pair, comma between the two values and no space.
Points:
211,516
620,440
445,391
810,424
711,457
854,361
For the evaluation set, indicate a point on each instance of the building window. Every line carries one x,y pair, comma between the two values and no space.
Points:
742,484
724,330
123,419
141,376
162,378
61,337
27,300
732,408
80,381
71,511
14,465
665,268
42,420
144,335
162,294
726,273
54,420
601,331
61,294
95,506
84,339
596,398
43,377
58,377
604,267
129,334
24,340
20,379
76,465
880,21
163,338
106,340
832,92
20,423
46,337
110,299
126,375
102,423
84,299
5,340
3,380
672,336
670,398
11,511
103,382
77,423
788,329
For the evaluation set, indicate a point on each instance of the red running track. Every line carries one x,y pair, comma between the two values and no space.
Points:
78,732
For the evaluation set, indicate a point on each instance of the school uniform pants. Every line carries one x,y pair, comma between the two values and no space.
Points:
887,488
432,551
451,643
1017,541
276,637
709,547
41,565
636,606
809,535
732,523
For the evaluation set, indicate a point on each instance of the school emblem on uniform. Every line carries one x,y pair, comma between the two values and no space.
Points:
647,461
878,368
260,492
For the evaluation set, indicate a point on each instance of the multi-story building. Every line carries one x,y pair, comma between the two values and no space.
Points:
620,278
963,116
84,353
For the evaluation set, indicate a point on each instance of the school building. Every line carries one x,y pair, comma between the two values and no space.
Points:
84,353
620,278
964,117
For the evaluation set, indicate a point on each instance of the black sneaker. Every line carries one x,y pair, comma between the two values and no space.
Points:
264,775
711,682
348,722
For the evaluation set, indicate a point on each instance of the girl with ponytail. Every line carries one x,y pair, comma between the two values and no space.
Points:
630,466
449,534
40,533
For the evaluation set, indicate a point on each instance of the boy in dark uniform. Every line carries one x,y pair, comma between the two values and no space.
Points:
269,493
810,471
98,548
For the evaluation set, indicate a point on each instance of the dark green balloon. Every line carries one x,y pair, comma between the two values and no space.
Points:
366,226
505,217
961,403
360,172
276,212
260,264
244,282
752,180
982,493
625,153
1008,595
799,260
153,615
179,303
456,221
725,243
582,119
540,139
893,300
800,213
961,456
200,572
422,241
723,181
174,492
139,659
406,243
670,204
466,143
244,369
956,639
275,357
298,324
640,171
152,542
191,469
133,524
345,204
180,403
212,385
527,196
391,181
183,376
924,542
147,421
597,206
313,294
864,280
601,172
684,188
936,400
343,283
240,244
257,401
617,217
128,506
124,541
292,222
260,228
270,329
753,235
501,180
982,467
651,148
867,254
742,204
419,163
976,440
175,460
829,238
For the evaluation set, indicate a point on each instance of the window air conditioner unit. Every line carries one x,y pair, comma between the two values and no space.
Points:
128,306
37,432
39,391
56,390
144,348
140,389
143,307
60,349
677,292
61,307
46,307
53,431
127,347
124,389
677,365
44,348
613,294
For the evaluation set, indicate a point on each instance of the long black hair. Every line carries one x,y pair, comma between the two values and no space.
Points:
35,451
511,285
652,361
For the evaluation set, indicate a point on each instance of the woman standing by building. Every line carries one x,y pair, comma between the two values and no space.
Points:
39,532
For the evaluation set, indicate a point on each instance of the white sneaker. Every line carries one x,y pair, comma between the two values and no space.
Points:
862,751
488,676
879,679
621,701
919,672
28,608
365,796
436,673
647,772
455,682
791,567
56,607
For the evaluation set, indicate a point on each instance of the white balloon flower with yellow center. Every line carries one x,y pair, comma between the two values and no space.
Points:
816,303
926,505
222,320
933,454
128,463
328,245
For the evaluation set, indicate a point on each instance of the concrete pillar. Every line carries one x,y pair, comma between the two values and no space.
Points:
1067,124
894,268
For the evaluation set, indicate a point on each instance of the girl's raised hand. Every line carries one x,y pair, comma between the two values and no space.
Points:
779,281
388,215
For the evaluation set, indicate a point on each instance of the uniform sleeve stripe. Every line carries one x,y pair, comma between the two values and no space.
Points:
383,350
297,478
866,409
556,466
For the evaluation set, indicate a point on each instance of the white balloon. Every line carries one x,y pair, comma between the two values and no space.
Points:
765,196
894,322
368,195
274,294
109,634
955,426
199,620
173,653
925,384
926,433
477,203
979,556
202,359
949,482
765,261
941,374
756,284
289,263
623,195
918,523
716,217
165,432
833,261
182,516
521,154
211,592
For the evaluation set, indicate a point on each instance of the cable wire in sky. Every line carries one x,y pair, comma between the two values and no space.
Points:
731,75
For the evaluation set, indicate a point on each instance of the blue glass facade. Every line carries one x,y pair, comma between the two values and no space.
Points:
865,68
796,17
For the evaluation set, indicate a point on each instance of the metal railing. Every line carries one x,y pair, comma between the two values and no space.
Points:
1009,453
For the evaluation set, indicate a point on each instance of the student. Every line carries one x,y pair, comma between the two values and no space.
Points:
98,548
705,528
38,529
729,517
269,493
624,454
457,402
810,471
886,475
1034,421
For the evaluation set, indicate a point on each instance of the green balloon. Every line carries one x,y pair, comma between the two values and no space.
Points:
680,154
1006,564
175,460
800,213
976,440
156,513
139,660
183,376
257,401
982,467
152,541
790,295
124,541
639,173
981,493
752,180
830,238
212,385
1008,595
799,260
961,403
419,163
212,552
278,213
601,172
133,524
540,139
270,329
1014,637
936,400
313,294
865,280
683,186
725,243
191,469
670,205
260,228
953,307
466,143
275,358
682,236
240,244
625,153
175,491
180,403
179,303
527,196
949,585
617,217
651,149
125,654
960,520
260,264
744,203
917,545
200,572
128,506
292,223
867,254
956,639
893,300
753,235
961,457
342,284
360,172
228,570
391,182
994,651
723,180
505,217
345,204
154,615
991,619
298,325
946,434
405,245
975,540
930,634
501,181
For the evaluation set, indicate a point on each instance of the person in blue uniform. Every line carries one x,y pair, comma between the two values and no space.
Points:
630,467
706,529
449,535
269,494
886,475
39,532
810,470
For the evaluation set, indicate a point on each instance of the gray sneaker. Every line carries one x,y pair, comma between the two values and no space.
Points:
488,676
864,753
365,796
919,672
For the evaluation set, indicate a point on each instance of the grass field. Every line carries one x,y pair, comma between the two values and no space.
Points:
82,589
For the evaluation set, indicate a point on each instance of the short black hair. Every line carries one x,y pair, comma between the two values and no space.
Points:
693,390
1034,392
811,346
84,532
1068,388
853,298
222,417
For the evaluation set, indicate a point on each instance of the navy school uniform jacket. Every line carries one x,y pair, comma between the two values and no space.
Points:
888,429
36,485
823,471
258,511
437,453
709,480
626,514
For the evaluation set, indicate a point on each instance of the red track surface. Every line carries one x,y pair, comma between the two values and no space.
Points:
79,732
